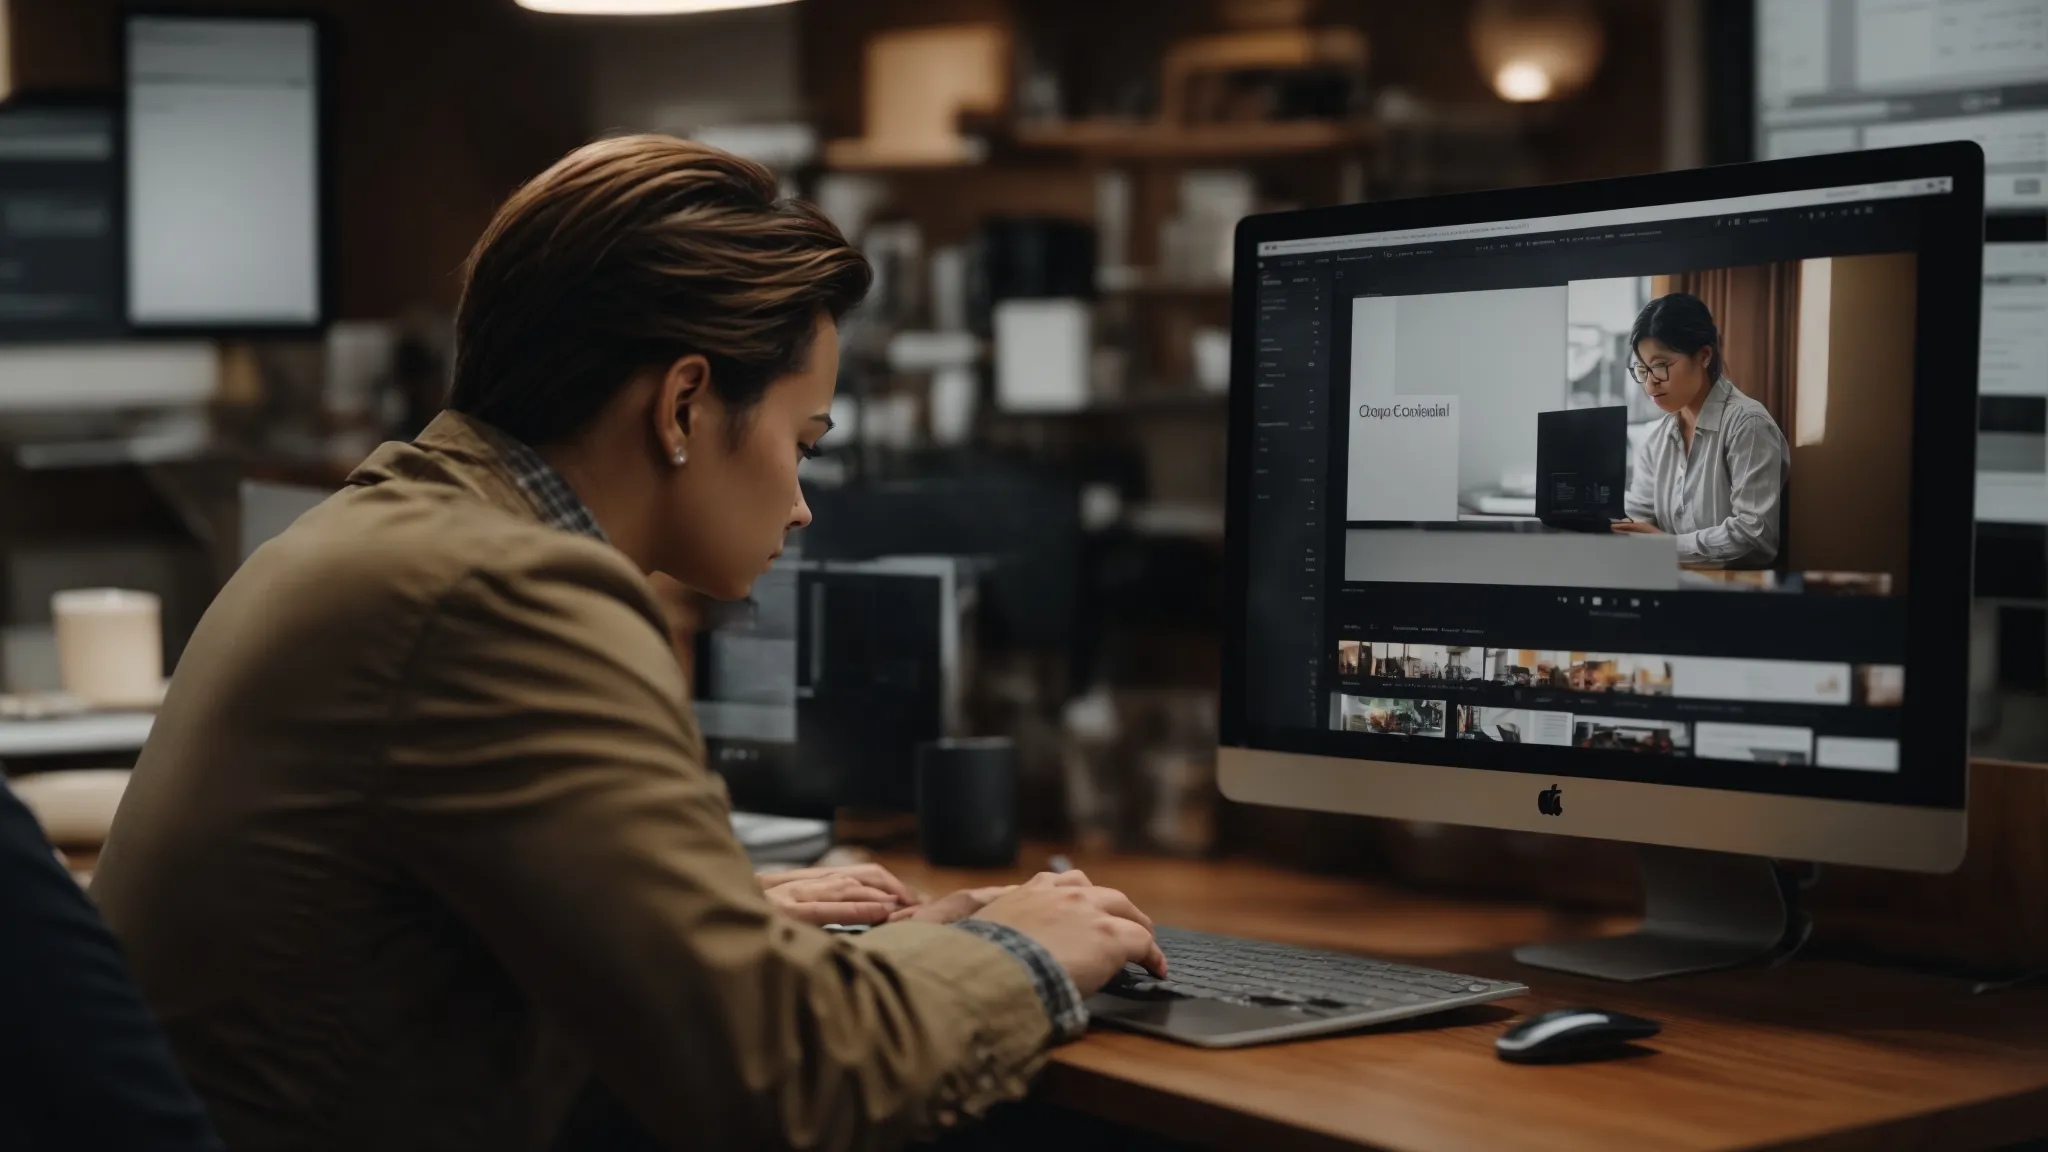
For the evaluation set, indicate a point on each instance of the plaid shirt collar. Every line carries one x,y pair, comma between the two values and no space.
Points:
559,506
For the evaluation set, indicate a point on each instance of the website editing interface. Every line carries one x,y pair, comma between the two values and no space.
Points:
1479,515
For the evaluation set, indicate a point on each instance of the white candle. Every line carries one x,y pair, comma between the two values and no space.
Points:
110,646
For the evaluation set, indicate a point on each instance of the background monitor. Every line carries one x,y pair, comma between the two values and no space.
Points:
1847,76
60,222
224,194
1734,682
816,691
1792,77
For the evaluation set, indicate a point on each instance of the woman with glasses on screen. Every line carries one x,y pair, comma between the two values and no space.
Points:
1712,470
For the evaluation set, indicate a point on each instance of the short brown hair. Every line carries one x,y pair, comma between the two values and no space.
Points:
629,254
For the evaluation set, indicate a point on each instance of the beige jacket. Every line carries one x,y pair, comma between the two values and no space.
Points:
424,840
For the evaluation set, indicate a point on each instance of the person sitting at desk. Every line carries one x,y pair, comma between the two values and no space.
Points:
1712,470
82,1062
423,849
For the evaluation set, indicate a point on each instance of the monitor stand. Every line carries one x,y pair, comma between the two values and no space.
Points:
1701,911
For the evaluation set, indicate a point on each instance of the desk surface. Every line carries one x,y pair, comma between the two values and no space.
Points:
1817,1054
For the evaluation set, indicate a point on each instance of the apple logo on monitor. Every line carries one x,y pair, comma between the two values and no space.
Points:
1550,801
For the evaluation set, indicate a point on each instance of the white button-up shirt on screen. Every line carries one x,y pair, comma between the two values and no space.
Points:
1722,498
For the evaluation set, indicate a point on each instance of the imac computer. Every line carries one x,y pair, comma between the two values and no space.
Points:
1761,655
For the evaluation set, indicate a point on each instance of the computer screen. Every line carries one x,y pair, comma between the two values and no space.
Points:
1408,593
224,203
1841,75
60,192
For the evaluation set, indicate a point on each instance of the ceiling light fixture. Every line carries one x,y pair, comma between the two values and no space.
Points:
641,7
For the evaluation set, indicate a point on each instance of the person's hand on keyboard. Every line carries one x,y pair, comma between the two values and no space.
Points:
855,894
968,901
1092,932
953,906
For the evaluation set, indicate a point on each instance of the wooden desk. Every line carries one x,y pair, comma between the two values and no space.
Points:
1819,1054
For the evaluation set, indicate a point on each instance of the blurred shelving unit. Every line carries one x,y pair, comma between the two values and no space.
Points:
1145,122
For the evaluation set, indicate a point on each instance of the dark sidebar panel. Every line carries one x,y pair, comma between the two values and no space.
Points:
1288,490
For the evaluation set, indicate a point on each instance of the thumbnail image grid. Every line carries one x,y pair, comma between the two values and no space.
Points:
1432,663
1632,734
1514,726
1735,679
1391,717
1348,656
1880,685
1647,736
1619,674
1756,743
1609,672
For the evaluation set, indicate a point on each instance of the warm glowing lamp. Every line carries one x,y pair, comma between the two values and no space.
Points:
1534,50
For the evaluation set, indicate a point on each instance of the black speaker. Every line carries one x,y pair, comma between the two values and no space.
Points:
967,802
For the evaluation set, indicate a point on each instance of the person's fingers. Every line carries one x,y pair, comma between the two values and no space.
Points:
1072,878
771,880
948,908
1119,905
864,893
956,905
876,876
839,912
873,875
973,899
1136,944
829,888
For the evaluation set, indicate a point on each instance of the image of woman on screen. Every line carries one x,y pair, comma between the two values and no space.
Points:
1712,470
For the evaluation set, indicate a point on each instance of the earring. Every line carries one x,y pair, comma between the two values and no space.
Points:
682,457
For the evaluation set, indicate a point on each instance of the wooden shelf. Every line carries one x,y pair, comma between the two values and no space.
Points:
1140,140
1145,282
867,156
1115,141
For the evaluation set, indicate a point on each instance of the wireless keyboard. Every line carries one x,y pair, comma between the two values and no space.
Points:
1225,992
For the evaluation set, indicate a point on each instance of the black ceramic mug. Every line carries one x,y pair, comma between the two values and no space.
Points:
967,802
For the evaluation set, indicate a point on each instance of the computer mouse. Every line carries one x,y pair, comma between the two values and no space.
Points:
1568,1034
